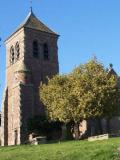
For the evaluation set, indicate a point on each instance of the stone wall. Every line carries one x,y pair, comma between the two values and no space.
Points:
4,119
0,136
94,127
40,68
115,125
0,129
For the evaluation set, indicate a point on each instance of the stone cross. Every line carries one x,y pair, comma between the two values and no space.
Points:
94,57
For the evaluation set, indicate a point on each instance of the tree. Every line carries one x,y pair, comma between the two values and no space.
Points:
97,92
87,92
55,96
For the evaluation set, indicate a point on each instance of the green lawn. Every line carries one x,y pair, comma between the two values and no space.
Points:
72,150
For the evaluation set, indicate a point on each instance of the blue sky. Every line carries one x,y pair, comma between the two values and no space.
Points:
87,27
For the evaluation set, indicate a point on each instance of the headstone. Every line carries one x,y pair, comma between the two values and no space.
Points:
99,137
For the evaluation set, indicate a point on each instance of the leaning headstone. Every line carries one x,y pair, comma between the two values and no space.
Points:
99,137
38,140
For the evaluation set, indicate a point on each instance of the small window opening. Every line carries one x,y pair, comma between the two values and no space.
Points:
12,54
35,49
17,49
46,52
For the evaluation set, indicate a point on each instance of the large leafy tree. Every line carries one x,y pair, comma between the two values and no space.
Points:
55,97
89,91
96,90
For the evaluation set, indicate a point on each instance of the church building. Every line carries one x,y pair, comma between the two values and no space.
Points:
31,57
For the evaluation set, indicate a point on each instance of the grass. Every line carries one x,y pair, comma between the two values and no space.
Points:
71,150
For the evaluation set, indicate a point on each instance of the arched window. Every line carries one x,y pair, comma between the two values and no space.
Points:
12,54
35,49
46,51
17,50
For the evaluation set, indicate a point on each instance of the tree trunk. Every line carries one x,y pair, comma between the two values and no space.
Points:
100,126
67,131
63,136
108,125
76,131
69,135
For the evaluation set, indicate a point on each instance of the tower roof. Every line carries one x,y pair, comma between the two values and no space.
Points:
31,21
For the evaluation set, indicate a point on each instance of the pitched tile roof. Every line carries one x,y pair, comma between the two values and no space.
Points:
31,21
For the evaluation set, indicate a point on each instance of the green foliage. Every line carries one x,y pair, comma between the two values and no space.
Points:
96,91
89,91
72,150
55,97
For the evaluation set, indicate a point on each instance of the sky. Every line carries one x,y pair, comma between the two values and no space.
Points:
86,28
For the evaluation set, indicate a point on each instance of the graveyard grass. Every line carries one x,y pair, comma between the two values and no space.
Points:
70,150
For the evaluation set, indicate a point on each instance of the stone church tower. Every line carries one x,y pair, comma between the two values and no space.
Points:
31,56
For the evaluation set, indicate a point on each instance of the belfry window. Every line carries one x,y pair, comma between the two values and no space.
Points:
12,55
46,51
35,49
17,50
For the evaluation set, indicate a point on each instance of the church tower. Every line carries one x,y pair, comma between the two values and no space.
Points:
31,57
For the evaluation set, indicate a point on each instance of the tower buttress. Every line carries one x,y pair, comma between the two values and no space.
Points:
31,56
